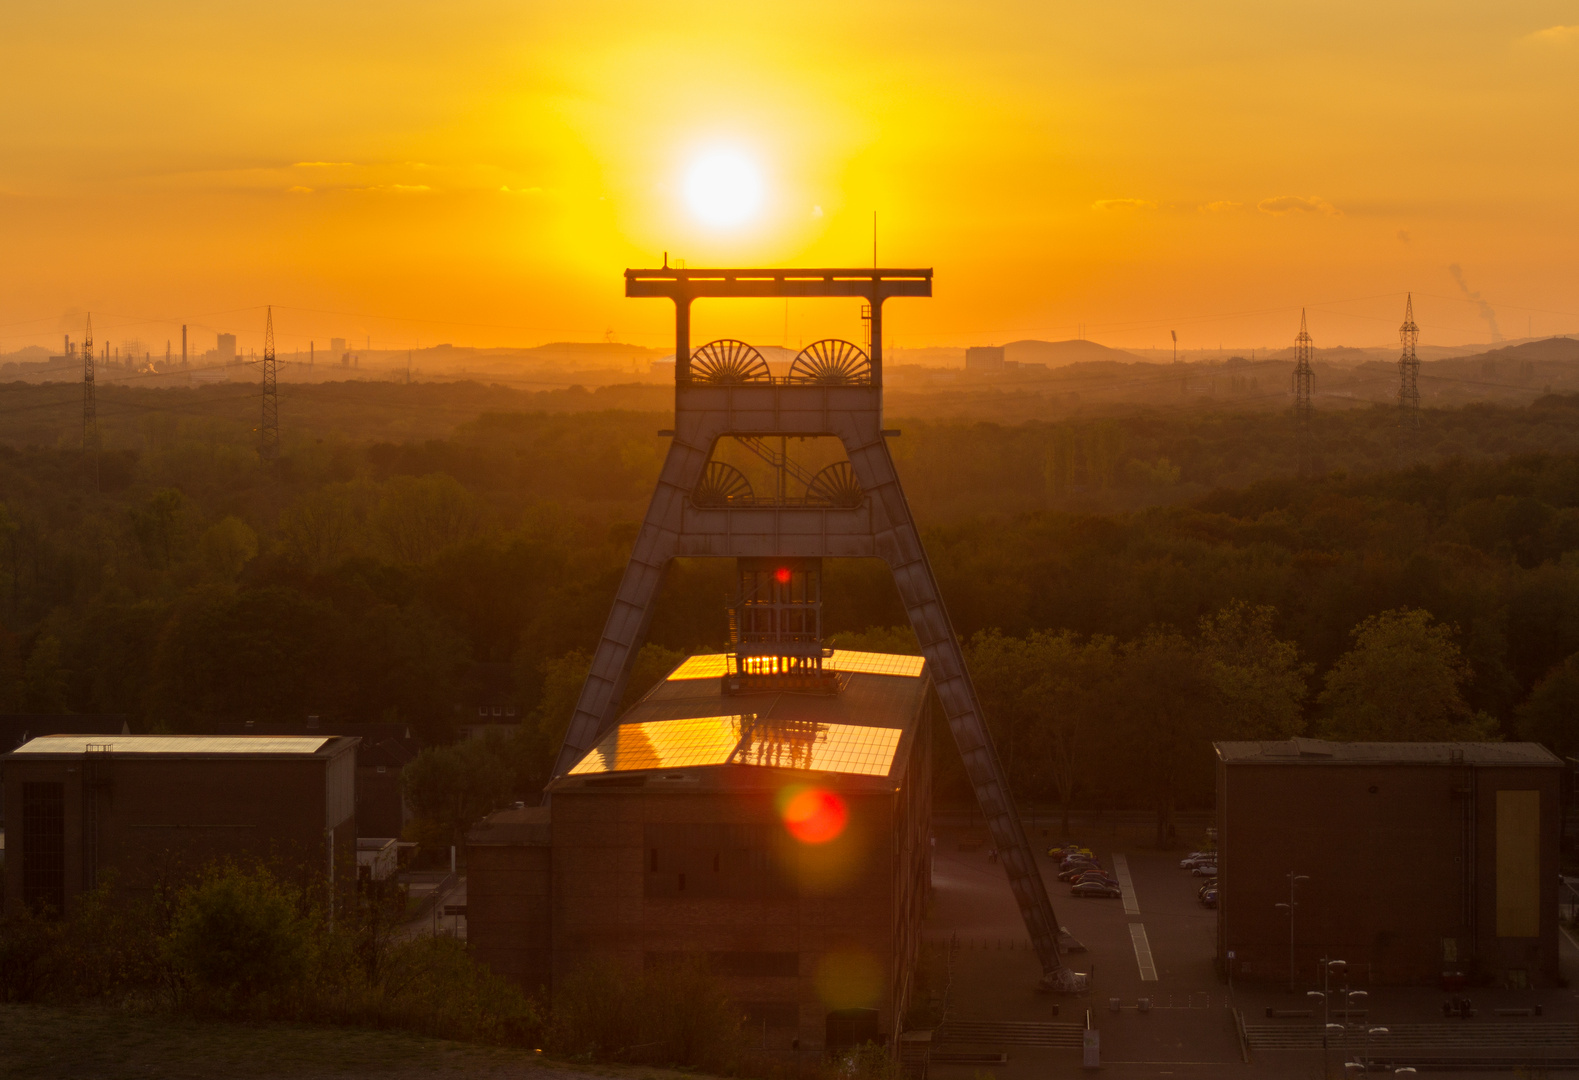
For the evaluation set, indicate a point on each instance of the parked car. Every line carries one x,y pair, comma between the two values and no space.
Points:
1209,896
1210,883
1069,849
1075,872
1195,858
1099,889
1096,875
1205,870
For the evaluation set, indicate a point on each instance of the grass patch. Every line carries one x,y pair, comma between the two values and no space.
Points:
44,1042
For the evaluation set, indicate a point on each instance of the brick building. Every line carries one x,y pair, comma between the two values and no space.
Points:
1422,860
780,837
154,807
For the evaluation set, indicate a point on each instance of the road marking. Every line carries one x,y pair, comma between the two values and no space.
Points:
1137,936
1121,871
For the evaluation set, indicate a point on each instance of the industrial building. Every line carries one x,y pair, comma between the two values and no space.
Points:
1413,862
150,809
781,837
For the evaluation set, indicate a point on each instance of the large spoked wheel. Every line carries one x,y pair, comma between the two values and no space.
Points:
835,486
831,362
728,361
721,485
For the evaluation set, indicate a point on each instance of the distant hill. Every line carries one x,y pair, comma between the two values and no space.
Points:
1063,353
1545,350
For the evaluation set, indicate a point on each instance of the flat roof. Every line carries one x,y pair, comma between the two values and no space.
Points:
175,745
861,736
1325,752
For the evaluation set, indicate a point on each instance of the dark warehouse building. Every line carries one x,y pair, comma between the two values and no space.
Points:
1424,862
781,837
151,807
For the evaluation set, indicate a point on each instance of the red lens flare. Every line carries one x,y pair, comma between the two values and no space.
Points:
813,815
782,574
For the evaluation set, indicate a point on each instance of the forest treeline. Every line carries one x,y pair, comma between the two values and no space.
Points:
386,580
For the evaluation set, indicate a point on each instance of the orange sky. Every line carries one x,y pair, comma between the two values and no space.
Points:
481,172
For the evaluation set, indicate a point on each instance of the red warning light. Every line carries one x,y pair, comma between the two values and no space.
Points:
782,575
813,815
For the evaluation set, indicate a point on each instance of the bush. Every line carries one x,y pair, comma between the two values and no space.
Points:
675,1014
239,935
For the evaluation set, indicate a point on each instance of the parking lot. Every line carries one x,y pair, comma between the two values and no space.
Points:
1157,943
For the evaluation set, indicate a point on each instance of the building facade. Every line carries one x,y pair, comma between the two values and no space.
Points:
1421,862
150,809
781,839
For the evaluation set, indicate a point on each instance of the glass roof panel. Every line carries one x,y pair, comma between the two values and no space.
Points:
738,740
663,744
705,666
872,663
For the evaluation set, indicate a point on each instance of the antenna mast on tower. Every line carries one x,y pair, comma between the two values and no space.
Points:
90,407
269,432
1304,409
1408,375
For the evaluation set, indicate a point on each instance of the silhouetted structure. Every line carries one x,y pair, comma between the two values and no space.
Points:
90,409
1424,861
1408,376
704,507
269,431
1304,408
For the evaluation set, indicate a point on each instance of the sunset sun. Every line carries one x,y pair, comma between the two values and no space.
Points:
723,188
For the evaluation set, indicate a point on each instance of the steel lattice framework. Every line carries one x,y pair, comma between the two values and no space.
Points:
860,514
269,429
90,408
1409,372
1304,389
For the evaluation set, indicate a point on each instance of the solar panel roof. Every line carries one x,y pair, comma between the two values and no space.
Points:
743,740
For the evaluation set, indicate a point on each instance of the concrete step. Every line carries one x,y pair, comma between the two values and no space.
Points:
1007,1033
1463,1035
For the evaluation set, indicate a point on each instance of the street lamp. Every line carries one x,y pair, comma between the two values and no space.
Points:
1293,881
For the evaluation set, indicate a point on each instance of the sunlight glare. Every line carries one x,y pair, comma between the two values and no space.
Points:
723,188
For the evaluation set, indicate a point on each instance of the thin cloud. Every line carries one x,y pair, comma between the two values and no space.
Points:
322,164
398,189
1555,35
297,189
1298,204
1221,206
1123,204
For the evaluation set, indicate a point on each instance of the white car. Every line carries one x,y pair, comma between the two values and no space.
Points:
1204,870
1195,858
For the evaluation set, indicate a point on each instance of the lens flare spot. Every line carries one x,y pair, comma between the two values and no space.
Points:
782,575
813,815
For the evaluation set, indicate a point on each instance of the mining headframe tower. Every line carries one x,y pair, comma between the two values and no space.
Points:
703,507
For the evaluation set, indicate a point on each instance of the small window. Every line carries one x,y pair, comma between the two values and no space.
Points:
482,710
498,710
381,770
509,710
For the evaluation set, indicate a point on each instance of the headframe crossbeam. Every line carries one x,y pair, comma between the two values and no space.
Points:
881,527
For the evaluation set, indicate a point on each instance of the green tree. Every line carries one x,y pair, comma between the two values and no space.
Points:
1165,709
227,546
1073,688
451,787
237,934
1550,715
421,516
44,678
1402,681
1258,679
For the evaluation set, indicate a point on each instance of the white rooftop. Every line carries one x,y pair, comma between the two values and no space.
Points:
173,744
